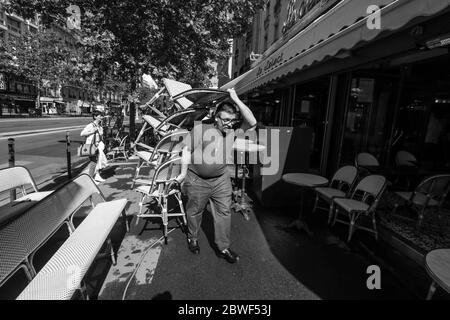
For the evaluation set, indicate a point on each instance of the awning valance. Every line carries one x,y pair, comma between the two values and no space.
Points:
341,28
232,83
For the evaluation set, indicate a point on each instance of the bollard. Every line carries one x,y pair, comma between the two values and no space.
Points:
68,155
12,163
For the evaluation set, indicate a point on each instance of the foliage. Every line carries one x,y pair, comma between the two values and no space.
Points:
163,38
42,56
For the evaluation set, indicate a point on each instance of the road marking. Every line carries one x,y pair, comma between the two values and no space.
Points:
37,133
42,119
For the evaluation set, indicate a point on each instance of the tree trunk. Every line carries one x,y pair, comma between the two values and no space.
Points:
38,102
132,113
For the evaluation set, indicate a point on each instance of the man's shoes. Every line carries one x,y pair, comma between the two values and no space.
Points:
230,256
193,246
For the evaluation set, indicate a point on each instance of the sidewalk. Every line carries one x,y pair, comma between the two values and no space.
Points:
276,262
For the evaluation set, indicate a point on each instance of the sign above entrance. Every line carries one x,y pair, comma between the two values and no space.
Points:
305,11
270,63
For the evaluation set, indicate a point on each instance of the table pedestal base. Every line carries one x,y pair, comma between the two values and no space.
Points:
242,204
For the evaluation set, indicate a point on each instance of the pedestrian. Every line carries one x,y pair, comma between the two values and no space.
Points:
205,180
94,135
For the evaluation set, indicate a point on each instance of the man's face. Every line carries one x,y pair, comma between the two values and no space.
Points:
225,121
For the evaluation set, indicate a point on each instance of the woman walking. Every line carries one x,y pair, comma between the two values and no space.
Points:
94,135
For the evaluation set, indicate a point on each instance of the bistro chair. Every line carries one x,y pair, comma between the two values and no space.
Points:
363,202
162,187
430,194
405,159
153,157
118,150
365,163
20,177
366,159
340,186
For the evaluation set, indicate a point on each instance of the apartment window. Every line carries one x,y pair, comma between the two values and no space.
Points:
13,25
236,56
266,38
277,7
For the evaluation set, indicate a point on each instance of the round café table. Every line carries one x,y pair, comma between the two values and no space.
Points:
437,264
304,180
243,147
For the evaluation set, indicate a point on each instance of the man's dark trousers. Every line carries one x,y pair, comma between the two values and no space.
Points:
198,191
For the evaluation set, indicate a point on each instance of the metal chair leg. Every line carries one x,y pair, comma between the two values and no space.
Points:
315,202
336,212
431,291
83,291
330,212
113,255
351,227
374,222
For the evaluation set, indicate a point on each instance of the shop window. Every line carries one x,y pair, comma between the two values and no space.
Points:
310,105
369,117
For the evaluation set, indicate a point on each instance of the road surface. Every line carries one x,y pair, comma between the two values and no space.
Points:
42,152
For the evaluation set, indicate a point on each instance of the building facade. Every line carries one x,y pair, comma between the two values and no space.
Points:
366,76
18,96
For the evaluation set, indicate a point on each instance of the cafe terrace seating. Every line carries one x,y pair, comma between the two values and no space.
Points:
20,177
162,187
340,186
153,157
363,202
429,195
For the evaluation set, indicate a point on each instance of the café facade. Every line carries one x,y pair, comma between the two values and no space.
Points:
363,76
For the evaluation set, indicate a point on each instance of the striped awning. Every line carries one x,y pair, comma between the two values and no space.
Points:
341,28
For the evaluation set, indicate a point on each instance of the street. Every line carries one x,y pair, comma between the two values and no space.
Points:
43,153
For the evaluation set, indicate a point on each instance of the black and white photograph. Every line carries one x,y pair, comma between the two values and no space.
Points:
231,156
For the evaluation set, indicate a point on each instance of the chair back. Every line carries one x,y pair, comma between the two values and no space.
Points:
171,144
165,174
436,187
404,158
14,177
152,121
370,189
366,159
344,178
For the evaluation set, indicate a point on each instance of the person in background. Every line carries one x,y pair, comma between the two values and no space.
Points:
93,133
204,180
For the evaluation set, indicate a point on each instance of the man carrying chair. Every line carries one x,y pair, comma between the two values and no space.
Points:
205,180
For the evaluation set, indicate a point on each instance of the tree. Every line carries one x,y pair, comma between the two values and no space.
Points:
40,57
163,38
